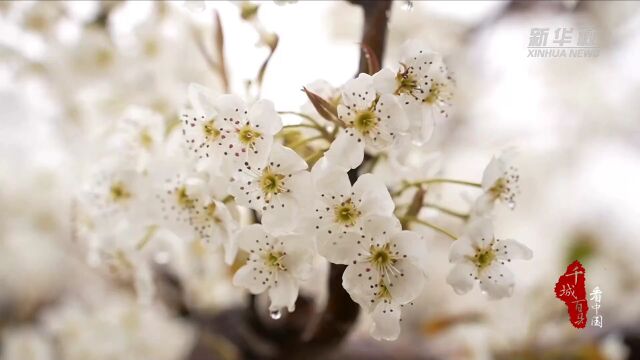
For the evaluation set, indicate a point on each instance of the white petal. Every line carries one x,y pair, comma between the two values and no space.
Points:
283,293
406,285
384,81
497,281
253,238
480,231
461,277
264,116
278,219
359,279
231,108
391,114
345,151
461,249
331,181
285,160
374,196
381,227
359,93
202,100
246,195
493,172
338,247
512,249
254,276
386,322
413,245
302,189
300,254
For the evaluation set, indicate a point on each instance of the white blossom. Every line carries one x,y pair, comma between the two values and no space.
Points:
384,272
275,264
500,182
341,210
479,256
423,88
278,188
371,120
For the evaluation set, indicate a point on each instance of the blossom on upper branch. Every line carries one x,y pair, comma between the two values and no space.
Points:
478,255
424,89
275,264
223,128
499,182
370,119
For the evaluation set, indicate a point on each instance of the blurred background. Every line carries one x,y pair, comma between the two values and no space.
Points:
69,71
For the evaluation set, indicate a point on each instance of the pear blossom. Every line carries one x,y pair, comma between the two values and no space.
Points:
371,119
191,211
139,135
275,265
385,272
500,182
278,188
479,256
342,210
423,88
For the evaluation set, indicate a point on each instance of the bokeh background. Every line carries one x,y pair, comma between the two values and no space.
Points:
69,70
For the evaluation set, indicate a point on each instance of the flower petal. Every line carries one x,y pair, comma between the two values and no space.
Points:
359,93
361,281
253,238
461,277
254,276
345,151
283,293
231,109
512,249
497,281
338,247
381,227
407,284
286,161
492,173
412,245
386,322
384,81
264,116
461,249
391,115
374,196
202,100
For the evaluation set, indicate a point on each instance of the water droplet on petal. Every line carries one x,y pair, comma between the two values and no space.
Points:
275,314
407,5
511,204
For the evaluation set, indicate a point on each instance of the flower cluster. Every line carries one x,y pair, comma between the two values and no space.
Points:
274,198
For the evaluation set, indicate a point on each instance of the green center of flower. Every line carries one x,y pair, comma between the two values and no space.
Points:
271,183
248,136
384,292
406,83
145,139
381,256
484,258
498,188
119,192
434,94
346,213
210,130
183,198
365,121
275,259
